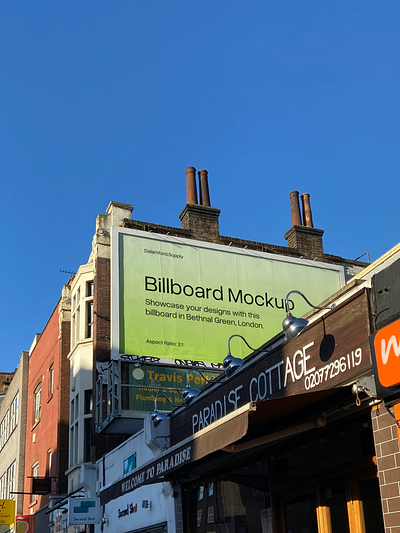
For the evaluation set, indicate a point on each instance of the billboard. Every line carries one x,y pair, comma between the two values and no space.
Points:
180,300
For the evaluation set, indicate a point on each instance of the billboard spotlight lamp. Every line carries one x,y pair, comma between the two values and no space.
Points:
230,363
156,416
293,326
188,393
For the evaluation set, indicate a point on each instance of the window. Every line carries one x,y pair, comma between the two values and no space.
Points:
35,473
76,317
82,313
51,381
9,421
88,402
89,288
37,403
210,514
199,513
3,480
211,489
49,457
10,481
74,431
130,464
5,426
201,492
87,443
89,319
14,413
89,309
87,424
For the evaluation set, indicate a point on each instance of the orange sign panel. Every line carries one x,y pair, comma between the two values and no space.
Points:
387,353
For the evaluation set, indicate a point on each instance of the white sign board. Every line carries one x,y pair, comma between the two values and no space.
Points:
84,511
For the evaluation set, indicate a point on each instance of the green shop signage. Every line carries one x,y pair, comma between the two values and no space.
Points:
145,382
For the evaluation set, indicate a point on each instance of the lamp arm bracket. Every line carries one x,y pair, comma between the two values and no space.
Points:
166,397
243,339
306,299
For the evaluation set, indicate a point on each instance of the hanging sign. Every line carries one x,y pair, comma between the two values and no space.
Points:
7,511
84,511
24,523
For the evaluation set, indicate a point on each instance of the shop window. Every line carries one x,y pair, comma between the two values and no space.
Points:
337,502
37,403
372,505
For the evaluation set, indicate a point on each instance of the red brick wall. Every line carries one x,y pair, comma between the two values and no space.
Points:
45,353
388,463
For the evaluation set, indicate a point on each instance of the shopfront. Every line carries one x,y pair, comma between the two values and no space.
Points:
305,461
284,445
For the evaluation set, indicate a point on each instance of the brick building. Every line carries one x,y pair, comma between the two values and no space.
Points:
47,416
93,404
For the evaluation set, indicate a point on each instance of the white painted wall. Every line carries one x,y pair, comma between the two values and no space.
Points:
160,494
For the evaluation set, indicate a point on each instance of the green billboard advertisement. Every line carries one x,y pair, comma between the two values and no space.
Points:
180,299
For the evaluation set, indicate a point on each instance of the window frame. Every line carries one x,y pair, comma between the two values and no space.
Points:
50,387
37,403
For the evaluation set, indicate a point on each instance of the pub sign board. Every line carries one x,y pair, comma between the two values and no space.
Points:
331,353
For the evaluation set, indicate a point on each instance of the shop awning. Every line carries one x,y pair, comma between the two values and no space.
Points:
214,437
222,434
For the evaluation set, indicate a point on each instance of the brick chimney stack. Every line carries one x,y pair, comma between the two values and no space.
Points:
200,220
303,237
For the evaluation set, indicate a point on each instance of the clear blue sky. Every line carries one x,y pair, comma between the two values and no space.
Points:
112,100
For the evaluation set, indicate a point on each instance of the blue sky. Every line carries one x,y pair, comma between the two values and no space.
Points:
104,101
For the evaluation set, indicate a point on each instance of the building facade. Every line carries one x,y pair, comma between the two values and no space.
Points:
112,348
308,439
13,411
47,417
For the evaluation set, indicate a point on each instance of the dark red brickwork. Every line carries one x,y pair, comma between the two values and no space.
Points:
63,407
101,311
388,463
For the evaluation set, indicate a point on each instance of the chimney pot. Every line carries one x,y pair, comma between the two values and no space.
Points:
204,190
191,189
307,215
295,208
